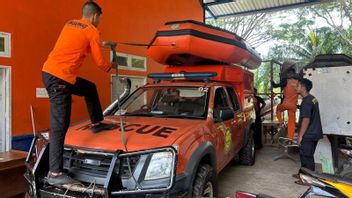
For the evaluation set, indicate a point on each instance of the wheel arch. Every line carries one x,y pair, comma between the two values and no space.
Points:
249,130
205,153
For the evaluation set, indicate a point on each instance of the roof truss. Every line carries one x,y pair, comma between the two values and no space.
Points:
225,8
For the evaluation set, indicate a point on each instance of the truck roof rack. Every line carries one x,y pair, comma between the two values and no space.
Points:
182,76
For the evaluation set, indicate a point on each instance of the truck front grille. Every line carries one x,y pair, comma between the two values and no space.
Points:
88,167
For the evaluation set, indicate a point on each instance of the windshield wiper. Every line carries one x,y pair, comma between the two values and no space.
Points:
179,116
138,114
163,115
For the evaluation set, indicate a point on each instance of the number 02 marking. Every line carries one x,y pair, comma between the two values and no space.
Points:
203,89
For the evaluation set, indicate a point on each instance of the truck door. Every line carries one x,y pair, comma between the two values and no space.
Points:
223,127
238,121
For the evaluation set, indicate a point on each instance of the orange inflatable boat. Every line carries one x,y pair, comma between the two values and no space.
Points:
195,43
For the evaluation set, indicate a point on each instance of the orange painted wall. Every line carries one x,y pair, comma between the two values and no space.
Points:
35,26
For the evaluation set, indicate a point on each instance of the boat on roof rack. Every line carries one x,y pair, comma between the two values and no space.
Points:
195,43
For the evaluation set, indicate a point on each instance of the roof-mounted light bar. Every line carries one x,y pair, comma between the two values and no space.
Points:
182,76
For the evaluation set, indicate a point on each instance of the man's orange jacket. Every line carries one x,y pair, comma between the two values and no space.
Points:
77,39
290,94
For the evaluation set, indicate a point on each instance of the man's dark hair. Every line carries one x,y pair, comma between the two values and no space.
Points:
291,70
90,8
306,83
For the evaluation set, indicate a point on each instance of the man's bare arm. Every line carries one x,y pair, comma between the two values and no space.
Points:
302,131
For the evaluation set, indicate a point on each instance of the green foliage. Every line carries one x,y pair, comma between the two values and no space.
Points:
303,38
304,47
250,28
298,34
262,77
347,49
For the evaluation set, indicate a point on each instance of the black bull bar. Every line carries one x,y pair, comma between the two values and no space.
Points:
37,163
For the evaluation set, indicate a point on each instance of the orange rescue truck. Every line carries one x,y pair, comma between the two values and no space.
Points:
173,137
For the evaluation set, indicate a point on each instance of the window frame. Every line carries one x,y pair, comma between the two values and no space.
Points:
233,103
7,44
129,61
6,136
229,102
140,58
206,107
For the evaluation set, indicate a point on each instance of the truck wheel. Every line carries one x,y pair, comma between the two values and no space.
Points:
204,183
247,154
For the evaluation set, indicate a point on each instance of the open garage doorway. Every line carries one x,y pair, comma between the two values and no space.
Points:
5,108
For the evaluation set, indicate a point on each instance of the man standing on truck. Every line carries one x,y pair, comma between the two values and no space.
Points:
60,71
310,129
289,102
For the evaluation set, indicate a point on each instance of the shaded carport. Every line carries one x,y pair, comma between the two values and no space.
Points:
227,8
272,178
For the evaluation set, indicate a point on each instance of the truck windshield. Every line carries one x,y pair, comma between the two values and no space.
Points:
173,102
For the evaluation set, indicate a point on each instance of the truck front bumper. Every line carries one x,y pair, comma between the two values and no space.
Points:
178,190
102,174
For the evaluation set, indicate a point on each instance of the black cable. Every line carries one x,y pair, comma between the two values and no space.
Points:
143,44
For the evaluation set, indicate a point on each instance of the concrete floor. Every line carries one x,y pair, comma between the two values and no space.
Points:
265,176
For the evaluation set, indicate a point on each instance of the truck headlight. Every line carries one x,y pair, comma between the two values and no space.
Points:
160,166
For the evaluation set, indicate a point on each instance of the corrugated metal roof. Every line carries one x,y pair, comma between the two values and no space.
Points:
223,8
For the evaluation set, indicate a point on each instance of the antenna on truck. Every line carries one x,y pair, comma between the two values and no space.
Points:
114,59
122,128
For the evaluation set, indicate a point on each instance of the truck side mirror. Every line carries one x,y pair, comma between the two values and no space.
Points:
226,113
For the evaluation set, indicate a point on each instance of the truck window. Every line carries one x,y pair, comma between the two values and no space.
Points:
170,102
234,99
220,101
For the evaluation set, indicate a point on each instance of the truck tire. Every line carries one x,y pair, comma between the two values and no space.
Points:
204,183
247,154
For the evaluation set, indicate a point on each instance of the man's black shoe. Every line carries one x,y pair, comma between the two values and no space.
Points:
61,180
102,126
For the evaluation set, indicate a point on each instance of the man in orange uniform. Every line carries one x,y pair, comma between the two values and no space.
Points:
289,102
60,71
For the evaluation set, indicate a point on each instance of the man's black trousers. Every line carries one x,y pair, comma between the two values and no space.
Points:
60,95
258,132
306,153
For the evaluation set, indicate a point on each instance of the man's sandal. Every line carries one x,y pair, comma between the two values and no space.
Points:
296,176
300,182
